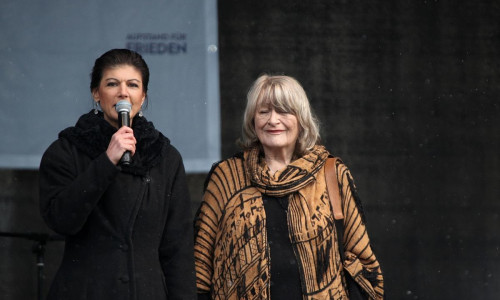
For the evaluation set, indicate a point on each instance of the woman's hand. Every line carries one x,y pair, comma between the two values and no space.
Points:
121,141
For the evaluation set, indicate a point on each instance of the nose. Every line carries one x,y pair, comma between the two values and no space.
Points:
123,91
273,117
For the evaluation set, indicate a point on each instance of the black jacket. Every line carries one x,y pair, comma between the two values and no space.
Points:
128,230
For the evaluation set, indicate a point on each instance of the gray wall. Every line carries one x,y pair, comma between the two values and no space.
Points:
406,93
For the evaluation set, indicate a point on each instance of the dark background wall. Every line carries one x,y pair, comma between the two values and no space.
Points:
406,92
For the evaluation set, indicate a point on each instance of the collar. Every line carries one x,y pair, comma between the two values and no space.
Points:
92,135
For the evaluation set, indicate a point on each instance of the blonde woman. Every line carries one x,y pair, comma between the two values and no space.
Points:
265,227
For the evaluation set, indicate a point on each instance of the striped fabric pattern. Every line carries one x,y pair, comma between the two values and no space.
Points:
231,251
356,241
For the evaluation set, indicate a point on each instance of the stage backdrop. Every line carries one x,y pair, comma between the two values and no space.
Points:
47,51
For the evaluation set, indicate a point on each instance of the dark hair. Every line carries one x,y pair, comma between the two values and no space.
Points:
116,57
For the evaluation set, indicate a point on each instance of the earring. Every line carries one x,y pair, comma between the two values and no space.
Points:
140,114
96,105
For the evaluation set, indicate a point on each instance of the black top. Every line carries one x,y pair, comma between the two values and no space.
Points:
285,277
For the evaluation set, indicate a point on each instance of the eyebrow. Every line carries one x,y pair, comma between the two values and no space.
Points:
112,78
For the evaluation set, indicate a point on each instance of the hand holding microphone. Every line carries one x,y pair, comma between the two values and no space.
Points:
123,108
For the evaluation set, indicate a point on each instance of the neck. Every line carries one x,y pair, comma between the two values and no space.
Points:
277,160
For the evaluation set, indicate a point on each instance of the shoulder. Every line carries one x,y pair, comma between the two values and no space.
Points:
232,167
170,150
348,186
235,161
61,157
159,142
340,166
57,149
171,160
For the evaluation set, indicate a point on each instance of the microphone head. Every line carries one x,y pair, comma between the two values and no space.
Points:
123,106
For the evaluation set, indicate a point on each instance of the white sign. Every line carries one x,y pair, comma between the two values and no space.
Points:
47,51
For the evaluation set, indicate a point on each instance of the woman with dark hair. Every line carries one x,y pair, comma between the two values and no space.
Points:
265,228
126,226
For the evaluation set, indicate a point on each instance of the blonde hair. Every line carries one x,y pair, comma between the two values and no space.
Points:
283,93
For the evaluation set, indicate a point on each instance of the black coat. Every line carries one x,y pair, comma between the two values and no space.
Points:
128,230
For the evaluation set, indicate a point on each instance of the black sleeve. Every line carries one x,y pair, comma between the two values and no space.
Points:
68,191
176,249
204,296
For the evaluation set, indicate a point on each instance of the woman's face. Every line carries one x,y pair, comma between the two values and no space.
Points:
277,131
123,82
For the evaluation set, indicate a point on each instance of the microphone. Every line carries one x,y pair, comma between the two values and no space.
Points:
123,108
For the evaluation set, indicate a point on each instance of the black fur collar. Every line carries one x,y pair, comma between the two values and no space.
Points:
92,134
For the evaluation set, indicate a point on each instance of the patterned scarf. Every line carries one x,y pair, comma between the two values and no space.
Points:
298,174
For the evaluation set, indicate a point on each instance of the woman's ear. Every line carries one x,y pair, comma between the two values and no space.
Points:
95,95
